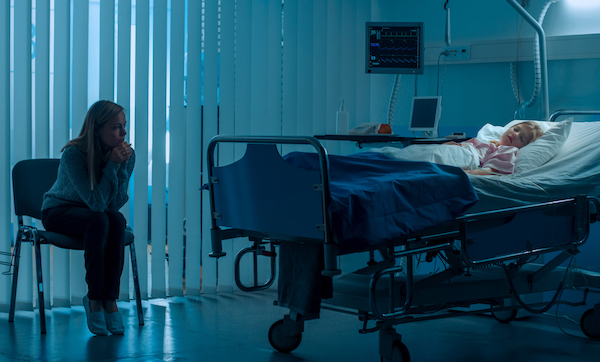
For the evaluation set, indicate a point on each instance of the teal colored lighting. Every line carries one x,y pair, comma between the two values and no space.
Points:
583,3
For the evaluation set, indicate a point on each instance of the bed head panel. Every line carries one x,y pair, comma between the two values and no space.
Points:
264,193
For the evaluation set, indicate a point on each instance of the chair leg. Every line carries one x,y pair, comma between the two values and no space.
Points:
136,284
41,303
15,277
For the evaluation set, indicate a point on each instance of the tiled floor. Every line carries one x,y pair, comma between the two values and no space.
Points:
233,327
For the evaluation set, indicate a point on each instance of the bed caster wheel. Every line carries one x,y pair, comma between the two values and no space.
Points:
505,316
590,324
280,340
399,353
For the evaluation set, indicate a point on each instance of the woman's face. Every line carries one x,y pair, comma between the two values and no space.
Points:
112,133
517,136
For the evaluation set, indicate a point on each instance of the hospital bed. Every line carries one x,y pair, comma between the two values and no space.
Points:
499,238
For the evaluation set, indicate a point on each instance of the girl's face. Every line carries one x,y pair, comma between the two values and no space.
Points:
517,136
112,133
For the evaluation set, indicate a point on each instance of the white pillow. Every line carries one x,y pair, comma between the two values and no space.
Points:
538,152
544,148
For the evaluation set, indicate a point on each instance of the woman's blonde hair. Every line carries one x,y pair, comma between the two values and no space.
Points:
89,140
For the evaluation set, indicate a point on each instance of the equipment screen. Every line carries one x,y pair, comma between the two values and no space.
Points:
394,48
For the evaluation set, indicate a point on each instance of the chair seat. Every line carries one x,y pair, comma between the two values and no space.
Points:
69,242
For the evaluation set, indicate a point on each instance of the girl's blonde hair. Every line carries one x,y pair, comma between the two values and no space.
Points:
536,131
89,140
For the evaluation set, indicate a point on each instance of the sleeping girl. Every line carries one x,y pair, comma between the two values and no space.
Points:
473,156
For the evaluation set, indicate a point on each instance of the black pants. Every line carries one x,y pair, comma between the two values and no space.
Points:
103,236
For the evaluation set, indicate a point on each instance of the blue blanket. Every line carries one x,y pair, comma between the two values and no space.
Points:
375,199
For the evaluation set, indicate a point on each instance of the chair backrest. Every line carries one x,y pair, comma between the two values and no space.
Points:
31,180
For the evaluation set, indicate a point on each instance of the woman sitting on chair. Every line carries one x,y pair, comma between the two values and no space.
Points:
91,187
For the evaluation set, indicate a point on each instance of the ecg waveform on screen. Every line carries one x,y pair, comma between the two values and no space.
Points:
398,61
394,47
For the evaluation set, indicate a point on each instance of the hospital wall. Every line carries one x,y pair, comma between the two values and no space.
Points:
479,90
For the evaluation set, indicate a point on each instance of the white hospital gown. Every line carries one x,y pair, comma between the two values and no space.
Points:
472,155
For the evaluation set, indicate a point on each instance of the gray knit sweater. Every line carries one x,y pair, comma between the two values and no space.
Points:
72,186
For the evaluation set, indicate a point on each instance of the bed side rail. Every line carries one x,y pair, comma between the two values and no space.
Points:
573,112
274,192
526,231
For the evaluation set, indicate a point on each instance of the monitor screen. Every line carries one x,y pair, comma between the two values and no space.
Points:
394,48
425,114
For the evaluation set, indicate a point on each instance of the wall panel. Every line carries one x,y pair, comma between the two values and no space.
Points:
319,50
274,64
22,134
360,112
123,98
107,50
5,207
196,230
210,127
294,72
159,128
303,66
176,191
41,102
140,181
80,103
60,135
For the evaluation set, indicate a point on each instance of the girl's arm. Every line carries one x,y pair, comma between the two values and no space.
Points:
483,171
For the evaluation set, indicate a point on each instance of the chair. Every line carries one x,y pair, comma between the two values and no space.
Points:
31,179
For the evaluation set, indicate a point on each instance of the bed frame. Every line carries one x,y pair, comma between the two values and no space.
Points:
484,272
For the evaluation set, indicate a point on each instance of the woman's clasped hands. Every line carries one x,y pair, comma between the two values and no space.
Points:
121,153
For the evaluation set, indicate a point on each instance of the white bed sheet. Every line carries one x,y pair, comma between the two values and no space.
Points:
466,158
573,171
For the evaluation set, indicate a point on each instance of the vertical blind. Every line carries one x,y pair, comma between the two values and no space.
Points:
184,70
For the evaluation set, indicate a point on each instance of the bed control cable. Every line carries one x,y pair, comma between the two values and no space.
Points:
509,277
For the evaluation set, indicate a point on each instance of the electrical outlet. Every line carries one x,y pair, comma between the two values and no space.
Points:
461,52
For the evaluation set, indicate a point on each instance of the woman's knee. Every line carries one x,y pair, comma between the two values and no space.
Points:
98,223
116,219
117,227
